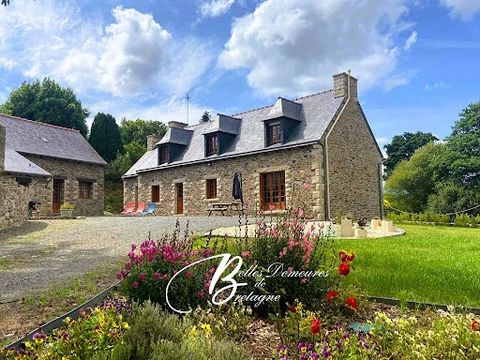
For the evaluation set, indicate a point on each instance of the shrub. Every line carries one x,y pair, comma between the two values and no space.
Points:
462,220
153,263
295,246
154,334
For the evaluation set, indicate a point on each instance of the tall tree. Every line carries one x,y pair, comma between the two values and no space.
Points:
403,147
105,137
464,147
206,117
47,102
138,130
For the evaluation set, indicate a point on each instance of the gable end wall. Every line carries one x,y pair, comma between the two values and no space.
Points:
354,166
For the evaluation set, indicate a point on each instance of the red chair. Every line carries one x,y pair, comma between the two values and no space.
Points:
129,209
140,208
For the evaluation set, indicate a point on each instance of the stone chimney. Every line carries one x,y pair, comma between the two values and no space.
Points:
177,124
2,148
340,85
151,141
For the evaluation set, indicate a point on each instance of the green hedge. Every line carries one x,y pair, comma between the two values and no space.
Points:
463,220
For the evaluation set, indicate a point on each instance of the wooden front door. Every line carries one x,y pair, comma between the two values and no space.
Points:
179,196
58,194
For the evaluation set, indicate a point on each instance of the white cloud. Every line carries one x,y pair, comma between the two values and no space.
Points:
412,39
396,80
437,85
465,9
214,8
126,57
294,46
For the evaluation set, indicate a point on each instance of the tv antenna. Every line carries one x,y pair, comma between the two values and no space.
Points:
188,103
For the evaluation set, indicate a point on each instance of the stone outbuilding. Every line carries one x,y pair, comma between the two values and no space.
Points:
49,165
317,152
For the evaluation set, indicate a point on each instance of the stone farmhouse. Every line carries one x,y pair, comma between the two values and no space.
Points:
317,152
46,164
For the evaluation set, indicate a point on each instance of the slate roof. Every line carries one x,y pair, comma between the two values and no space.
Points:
176,136
32,137
318,111
224,123
16,163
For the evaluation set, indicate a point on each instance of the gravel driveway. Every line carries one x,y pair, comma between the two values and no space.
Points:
43,252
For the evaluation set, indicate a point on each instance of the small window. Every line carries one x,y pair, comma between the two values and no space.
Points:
85,190
212,145
274,133
272,190
211,188
163,158
156,193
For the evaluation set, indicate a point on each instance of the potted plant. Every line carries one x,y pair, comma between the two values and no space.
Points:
360,231
66,210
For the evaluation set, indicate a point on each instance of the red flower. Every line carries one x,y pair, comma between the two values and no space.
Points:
331,295
351,257
352,302
344,269
135,284
315,328
475,325
343,256
292,309
157,276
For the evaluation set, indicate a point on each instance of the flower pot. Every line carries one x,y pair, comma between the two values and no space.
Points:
66,213
361,233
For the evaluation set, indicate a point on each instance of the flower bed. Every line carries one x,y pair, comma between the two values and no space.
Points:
315,315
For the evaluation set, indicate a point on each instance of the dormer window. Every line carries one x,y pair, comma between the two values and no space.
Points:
163,154
212,144
274,133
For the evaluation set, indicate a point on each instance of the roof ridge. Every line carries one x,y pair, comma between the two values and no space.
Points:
38,122
293,100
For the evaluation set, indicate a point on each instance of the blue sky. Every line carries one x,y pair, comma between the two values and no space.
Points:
416,60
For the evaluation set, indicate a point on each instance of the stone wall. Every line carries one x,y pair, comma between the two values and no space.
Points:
354,166
71,172
303,165
13,202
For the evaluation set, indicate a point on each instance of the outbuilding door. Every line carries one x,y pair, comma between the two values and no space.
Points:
179,196
58,194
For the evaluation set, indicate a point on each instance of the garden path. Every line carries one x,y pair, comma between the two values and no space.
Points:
44,252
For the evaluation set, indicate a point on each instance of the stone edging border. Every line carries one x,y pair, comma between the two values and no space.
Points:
422,306
56,323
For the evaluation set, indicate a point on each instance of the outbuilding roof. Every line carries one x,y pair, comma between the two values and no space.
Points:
36,138
315,112
16,163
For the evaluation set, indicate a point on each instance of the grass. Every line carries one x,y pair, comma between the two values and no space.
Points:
17,318
435,264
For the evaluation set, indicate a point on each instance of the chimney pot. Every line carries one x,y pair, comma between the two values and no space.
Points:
340,85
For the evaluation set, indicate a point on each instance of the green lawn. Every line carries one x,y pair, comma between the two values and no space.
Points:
429,264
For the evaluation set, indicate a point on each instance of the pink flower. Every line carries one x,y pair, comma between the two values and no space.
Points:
188,274
200,294
142,277
157,276
246,254
134,247
135,284
283,252
304,280
271,207
307,186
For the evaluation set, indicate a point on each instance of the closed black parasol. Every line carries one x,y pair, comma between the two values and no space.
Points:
237,191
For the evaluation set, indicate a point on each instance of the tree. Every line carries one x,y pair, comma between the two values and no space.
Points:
47,102
464,148
206,117
138,130
403,147
105,137
5,2
450,198
118,167
411,183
